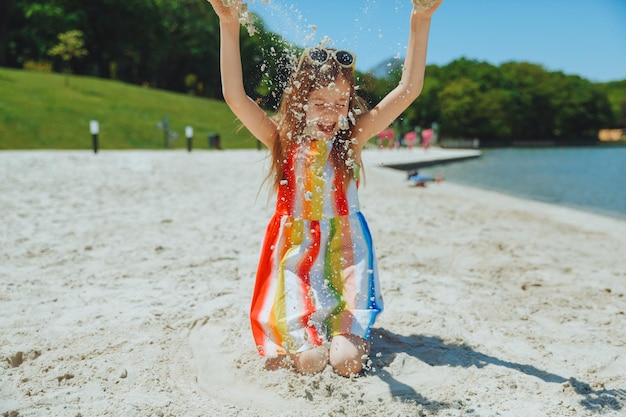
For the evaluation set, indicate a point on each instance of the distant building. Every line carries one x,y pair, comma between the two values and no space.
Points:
611,135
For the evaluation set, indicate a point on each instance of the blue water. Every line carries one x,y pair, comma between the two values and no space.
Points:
590,178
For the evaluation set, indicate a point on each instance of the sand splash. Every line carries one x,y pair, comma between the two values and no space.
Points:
245,18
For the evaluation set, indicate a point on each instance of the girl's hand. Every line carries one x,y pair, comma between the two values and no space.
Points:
226,13
419,9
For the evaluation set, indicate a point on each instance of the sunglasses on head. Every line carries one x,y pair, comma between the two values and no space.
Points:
320,56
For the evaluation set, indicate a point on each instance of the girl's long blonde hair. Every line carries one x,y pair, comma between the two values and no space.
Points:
291,118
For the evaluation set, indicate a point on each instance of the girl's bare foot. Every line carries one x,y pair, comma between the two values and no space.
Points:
311,361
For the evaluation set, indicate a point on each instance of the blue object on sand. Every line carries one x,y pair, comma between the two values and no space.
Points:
421,178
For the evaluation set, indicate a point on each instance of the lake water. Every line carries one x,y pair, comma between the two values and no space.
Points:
588,178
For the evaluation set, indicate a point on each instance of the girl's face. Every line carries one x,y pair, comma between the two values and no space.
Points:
325,107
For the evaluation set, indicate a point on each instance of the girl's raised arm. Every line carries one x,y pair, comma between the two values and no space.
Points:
248,112
411,83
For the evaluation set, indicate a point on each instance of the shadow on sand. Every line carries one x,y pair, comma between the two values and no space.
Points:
435,352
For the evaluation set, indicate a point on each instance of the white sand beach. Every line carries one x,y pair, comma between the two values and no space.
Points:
126,277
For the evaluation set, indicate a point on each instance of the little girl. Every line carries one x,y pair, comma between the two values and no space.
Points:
317,294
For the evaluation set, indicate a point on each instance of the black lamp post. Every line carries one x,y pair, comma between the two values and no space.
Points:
94,129
189,135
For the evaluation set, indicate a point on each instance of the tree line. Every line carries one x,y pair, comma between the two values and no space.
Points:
174,45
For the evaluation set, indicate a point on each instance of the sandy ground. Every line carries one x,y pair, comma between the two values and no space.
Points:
125,279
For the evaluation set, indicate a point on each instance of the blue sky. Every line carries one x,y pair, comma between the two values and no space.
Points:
586,38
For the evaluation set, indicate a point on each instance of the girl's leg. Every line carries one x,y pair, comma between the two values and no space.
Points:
311,361
348,353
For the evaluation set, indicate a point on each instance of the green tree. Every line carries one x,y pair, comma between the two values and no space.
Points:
616,93
530,113
29,29
581,108
70,46
427,108
458,108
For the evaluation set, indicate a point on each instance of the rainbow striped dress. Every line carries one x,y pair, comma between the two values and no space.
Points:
317,275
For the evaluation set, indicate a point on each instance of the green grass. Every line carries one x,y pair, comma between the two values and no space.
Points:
38,111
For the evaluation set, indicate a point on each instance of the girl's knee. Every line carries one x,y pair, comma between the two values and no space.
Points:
311,361
348,353
279,362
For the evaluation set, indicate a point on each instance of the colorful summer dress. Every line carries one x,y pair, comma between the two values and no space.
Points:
317,275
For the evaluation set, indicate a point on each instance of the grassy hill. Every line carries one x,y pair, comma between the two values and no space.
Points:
38,111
